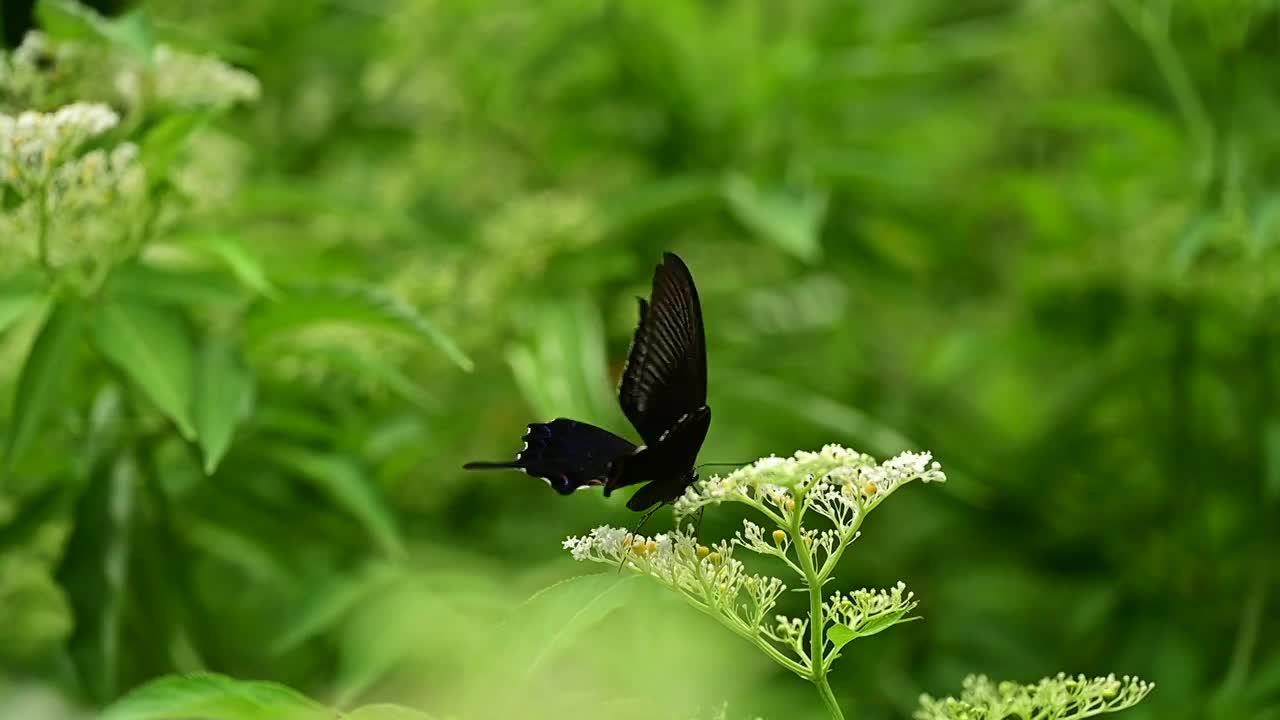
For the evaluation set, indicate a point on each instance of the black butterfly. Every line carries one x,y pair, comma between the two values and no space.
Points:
663,393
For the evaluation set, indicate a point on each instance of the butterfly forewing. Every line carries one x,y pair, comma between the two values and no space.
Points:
666,375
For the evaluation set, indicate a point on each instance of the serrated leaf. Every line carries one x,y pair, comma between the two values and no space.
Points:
349,487
150,345
41,377
355,305
207,695
789,221
95,572
386,712
223,388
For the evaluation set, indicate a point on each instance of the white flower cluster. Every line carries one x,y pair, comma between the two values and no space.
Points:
189,80
836,482
709,577
866,612
1063,698
34,144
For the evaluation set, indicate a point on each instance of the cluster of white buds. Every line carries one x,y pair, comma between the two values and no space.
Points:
866,612
187,79
838,483
709,577
1063,697
34,144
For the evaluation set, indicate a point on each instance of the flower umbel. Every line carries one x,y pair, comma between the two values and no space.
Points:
1063,698
840,486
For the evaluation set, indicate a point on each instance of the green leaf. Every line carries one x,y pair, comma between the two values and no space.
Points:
15,307
785,219
554,618
840,635
228,250
217,697
327,605
1271,460
95,573
163,144
386,712
151,346
175,287
349,487
346,304
41,378
70,20
223,389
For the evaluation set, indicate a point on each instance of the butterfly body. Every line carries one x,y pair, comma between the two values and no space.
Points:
663,394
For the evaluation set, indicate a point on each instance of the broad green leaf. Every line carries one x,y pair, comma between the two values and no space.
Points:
41,378
150,345
95,573
131,31
217,697
176,287
789,221
224,385
15,307
840,635
163,144
345,304
550,621
349,487
386,712
370,366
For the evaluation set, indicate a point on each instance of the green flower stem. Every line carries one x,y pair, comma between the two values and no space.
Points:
817,622
42,229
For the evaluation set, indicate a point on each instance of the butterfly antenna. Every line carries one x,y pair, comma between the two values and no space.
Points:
630,537
737,464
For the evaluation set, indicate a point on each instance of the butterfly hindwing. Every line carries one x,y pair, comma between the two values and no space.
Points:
666,465
666,374
568,454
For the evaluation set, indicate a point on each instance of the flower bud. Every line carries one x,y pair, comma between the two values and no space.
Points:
779,537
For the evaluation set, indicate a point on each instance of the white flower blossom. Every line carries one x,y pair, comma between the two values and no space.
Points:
189,80
1062,697
34,144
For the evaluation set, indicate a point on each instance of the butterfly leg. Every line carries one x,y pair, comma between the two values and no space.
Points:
631,535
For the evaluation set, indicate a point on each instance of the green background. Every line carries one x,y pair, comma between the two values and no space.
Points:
1040,239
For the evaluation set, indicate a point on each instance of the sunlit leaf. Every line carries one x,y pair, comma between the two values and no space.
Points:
840,635
218,697
41,378
150,345
222,392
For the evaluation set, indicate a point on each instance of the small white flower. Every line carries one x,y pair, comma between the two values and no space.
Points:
191,80
34,144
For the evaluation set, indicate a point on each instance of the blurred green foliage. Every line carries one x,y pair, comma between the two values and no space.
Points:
1039,238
